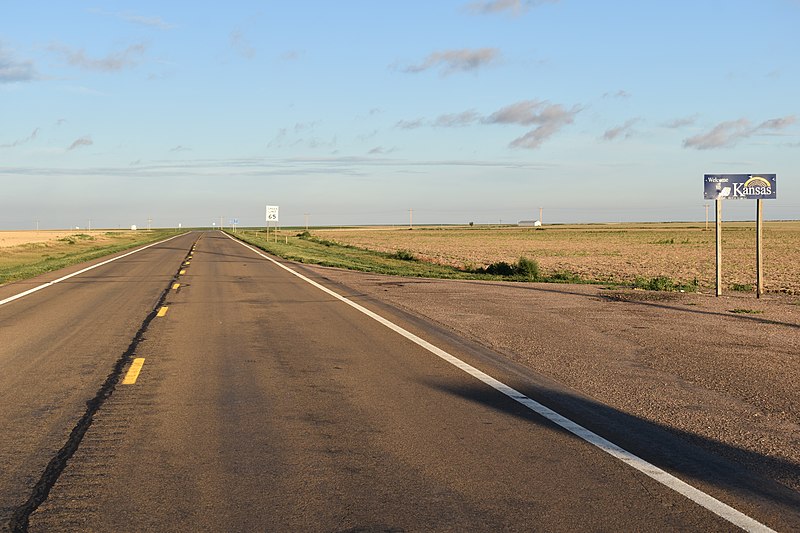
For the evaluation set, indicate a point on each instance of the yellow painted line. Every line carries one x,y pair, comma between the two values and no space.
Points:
187,263
175,286
182,272
162,311
133,371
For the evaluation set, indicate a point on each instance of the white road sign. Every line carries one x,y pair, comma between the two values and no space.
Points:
272,213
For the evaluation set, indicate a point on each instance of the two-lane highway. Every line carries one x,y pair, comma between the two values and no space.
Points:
265,403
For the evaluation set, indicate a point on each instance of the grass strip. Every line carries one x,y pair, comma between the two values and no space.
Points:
305,248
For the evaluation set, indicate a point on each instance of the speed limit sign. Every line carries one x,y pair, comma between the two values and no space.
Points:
272,213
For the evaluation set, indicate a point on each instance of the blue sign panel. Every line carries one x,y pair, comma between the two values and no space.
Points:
739,186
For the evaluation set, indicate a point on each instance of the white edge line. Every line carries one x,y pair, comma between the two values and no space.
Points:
696,495
59,280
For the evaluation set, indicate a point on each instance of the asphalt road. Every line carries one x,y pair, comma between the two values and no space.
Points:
266,404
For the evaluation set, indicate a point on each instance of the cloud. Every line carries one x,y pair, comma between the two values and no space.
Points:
410,124
180,148
27,139
456,120
86,140
619,94
727,134
293,55
625,130
241,45
380,150
153,22
114,61
549,119
515,7
680,122
13,70
463,60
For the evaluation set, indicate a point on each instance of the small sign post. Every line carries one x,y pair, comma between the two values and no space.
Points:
735,187
272,216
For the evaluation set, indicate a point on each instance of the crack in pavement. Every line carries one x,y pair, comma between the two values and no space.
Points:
21,517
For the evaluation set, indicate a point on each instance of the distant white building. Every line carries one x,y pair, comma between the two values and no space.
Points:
529,223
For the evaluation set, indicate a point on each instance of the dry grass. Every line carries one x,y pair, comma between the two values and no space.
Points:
603,252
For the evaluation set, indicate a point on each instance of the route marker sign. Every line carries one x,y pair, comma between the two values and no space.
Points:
735,187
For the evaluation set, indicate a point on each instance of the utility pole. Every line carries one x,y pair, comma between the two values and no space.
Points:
410,219
540,215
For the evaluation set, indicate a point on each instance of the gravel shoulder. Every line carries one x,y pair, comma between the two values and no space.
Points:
728,381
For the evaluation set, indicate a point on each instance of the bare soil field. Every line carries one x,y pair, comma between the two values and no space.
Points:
604,252
16,238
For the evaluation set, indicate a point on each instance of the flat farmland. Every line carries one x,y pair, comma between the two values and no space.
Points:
612,253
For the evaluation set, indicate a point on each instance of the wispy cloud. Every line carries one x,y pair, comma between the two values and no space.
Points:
380,150
726,134
681,122
29,138
129,57
180,148
617,94
451,61
410,124
623,130
153,22
293,55
456,120
548,118
86,140
241,44
514,7
13,70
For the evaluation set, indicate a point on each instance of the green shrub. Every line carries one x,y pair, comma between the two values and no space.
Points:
404,255
527,268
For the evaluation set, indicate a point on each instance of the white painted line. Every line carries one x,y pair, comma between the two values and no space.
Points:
87,269
696,495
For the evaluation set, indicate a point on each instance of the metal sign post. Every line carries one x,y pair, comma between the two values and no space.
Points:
272,216
741,186
719,246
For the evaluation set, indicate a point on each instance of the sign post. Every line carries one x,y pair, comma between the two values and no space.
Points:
272,216
735,187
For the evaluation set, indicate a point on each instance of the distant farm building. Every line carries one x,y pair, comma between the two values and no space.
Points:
529,223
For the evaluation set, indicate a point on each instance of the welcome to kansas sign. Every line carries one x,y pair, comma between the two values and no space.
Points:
739,186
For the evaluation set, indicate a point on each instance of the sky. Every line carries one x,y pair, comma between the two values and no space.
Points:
372,112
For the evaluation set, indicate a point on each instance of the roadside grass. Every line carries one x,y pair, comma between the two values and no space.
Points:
28,260
304,247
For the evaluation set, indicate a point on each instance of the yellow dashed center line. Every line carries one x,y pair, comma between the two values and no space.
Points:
133,371
162,311
175,286
182,272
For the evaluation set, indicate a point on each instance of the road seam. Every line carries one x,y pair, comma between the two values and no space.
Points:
694,494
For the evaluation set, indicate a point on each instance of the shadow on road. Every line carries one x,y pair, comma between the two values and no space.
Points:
703,462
